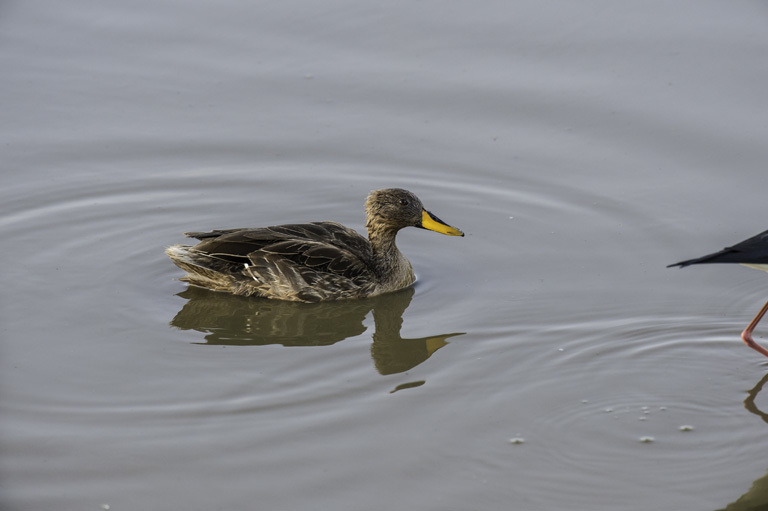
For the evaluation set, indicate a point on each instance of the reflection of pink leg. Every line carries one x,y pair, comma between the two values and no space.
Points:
746,335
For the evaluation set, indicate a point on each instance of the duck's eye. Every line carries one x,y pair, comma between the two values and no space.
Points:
403,202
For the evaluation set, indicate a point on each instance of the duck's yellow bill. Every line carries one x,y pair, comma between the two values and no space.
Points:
431,222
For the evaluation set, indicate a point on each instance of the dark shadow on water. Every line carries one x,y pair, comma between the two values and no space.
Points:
749,403
756,499
239,321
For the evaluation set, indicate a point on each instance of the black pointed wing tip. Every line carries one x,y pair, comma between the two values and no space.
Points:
201,235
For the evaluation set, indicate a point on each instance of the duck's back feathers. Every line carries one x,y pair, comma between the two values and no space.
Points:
302,262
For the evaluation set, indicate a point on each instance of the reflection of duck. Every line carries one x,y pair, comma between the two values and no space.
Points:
311,262
393,354
234,320
753,253
239,321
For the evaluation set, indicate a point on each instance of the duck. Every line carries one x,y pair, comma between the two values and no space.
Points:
753,253
311,262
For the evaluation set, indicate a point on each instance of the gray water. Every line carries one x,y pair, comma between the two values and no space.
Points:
548,360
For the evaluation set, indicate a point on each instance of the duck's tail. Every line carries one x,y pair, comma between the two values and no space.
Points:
202,269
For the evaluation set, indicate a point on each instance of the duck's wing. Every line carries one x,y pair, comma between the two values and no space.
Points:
290,240
751,251
307,262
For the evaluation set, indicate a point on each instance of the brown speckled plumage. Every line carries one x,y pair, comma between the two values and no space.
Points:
314,261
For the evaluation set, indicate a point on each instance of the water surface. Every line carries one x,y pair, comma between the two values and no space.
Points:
547,360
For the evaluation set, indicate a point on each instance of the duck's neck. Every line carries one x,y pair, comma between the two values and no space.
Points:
392,267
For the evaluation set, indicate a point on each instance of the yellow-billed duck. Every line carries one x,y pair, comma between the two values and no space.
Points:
311,262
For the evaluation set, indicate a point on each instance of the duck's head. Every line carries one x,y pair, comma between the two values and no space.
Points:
394,208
